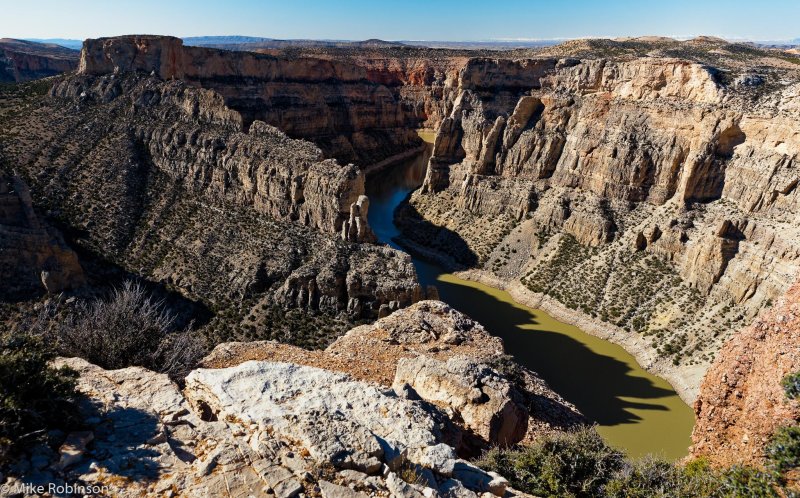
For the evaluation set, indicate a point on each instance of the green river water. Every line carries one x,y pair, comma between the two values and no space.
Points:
634,410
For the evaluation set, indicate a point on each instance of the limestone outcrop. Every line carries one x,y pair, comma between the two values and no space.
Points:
487,403
356,228
175,191
432,352
258,429
741,401
33,255
192,136
269,419
651,158
349,424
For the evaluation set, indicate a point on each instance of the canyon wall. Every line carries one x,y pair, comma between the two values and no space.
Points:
193,136
645,193
24,61
352,113
160,178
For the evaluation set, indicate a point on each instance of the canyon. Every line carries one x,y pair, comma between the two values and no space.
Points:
643,190
24,61
675,231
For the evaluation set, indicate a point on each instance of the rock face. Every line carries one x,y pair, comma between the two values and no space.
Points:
356,228
24,61
433,352
644,162
192,136
486,402
741,401
258,429
347,423
33,255
335,104
172,189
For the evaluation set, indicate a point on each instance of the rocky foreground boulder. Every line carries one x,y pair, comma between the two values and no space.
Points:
390,409
432,352
257,429
486,402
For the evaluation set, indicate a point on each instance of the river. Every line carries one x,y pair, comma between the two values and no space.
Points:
634,410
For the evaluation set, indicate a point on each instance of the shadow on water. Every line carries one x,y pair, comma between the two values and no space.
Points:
421,233
634,410
597,384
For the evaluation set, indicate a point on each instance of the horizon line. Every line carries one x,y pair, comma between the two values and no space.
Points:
466,40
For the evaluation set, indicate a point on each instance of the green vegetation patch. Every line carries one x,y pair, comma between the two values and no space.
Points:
34,397
581,465
636,291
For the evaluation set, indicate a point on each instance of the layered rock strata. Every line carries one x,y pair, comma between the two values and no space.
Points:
191,135
173,190
338,105
646,193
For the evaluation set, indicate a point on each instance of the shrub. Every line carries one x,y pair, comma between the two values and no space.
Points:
783,451
647,478
510,369
650,477
747,482
34,396
580,464
575,464
128,329
791,385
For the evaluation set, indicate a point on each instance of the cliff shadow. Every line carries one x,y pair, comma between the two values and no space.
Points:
103,275
432,242
124,443
116,441
602,387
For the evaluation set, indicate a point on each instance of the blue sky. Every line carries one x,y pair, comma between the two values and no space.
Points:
398,20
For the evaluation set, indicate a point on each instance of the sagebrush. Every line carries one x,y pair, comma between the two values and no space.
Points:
129,328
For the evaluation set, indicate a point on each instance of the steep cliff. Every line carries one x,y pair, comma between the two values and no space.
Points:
348,111
160,178
24,61
654,194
